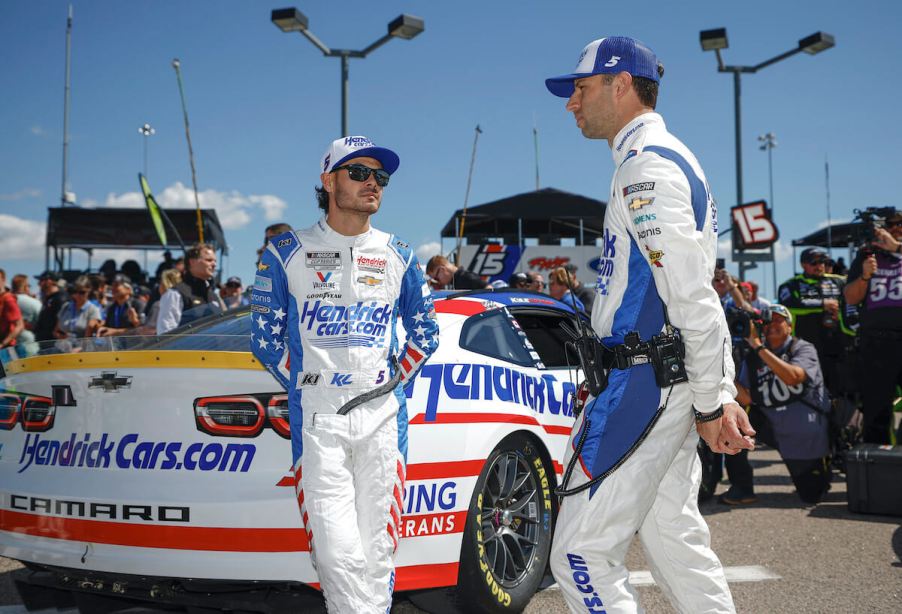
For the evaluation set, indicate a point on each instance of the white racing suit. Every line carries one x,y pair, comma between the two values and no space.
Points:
325,308
660,238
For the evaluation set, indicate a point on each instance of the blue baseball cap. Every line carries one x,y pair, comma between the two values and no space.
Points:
350,147
609,55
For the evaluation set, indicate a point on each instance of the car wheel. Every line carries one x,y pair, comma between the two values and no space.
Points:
507,536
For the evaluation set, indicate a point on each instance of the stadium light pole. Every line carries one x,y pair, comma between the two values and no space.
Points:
146,131
768,142
292,20
715,40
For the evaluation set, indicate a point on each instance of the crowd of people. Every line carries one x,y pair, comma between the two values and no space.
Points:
110,303
819,370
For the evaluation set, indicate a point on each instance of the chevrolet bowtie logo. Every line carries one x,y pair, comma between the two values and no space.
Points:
638,203
110,382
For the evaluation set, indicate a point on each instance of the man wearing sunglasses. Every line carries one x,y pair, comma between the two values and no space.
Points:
325,303
875,282
638,471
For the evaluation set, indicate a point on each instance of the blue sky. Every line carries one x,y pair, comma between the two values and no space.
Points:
264,105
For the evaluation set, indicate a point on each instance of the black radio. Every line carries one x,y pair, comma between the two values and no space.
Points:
665,352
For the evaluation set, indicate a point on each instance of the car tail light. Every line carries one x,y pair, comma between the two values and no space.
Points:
9,411
234,416
579,401
277,413
37,414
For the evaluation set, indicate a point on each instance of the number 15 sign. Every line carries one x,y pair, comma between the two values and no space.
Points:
752,226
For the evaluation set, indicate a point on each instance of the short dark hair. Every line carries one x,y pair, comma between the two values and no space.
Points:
646,89
277,229
322,198
194,252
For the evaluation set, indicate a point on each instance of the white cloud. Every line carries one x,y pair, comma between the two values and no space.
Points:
21,239
273,206
428,250
38,131
21,194
233,208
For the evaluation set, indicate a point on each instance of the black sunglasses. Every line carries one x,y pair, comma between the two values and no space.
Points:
359,172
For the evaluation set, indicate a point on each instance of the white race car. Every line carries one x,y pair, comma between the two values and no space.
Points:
157,469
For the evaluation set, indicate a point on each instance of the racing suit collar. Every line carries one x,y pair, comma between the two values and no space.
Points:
331,237
628,139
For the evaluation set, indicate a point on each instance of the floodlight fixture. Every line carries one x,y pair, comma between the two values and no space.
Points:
817,42
406,26
714,39
289,20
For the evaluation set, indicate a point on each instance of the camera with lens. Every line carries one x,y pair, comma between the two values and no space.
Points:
740,322
870,219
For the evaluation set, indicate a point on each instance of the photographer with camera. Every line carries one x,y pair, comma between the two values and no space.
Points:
875,283
781,378
813,298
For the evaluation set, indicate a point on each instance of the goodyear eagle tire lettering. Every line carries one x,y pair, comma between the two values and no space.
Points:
507,538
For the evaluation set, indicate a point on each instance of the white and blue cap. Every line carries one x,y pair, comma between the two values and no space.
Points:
350,147
609,55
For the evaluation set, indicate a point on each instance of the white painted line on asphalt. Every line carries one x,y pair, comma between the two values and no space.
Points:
741,573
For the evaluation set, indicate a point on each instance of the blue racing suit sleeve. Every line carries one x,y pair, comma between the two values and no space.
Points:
269,314
418,317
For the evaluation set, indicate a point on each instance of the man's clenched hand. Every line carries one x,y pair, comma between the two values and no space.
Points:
729,434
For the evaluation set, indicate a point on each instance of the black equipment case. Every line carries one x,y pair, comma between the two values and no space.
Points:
874,479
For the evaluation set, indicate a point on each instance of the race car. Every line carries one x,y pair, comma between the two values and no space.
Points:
157,469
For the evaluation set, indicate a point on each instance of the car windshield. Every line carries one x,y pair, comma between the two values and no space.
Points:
224,332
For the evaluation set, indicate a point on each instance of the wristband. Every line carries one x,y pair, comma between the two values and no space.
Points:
759,348
714,415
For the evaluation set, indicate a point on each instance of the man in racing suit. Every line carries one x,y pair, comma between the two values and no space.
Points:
659,241
325,304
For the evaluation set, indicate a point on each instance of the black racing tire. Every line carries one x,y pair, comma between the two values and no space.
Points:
507,536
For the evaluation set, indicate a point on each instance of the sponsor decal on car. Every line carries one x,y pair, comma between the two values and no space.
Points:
131,452
74,508
523,299
487,382
110,381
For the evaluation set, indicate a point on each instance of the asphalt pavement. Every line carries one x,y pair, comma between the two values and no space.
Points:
784,556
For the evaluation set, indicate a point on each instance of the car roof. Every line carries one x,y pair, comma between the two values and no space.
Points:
509,297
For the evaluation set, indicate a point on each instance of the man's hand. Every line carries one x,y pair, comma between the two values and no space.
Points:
729,434
868,267
831,305
753,339
885,241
